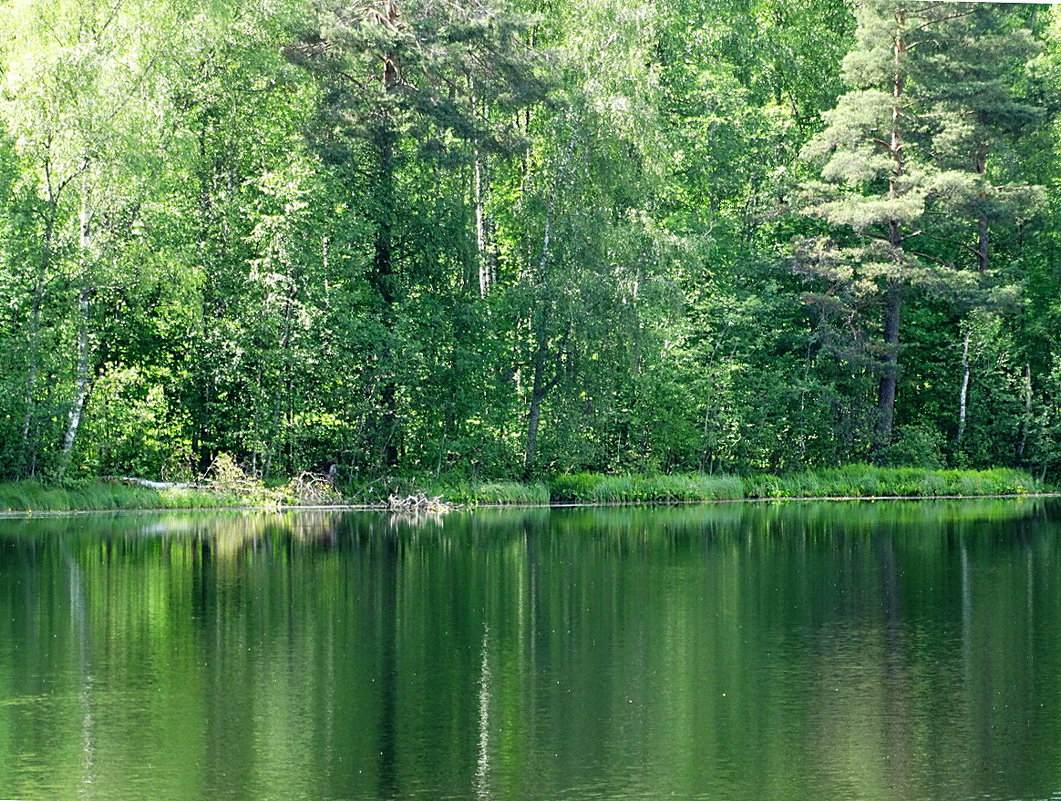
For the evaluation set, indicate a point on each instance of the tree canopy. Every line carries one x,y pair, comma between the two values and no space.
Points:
509,238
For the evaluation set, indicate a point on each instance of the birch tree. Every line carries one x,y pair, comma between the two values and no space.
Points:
77,100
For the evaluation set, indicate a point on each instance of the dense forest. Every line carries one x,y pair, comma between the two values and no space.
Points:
514,238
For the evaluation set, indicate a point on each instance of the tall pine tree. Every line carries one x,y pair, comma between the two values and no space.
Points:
904,163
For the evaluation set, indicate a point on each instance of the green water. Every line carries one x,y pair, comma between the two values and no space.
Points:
816,651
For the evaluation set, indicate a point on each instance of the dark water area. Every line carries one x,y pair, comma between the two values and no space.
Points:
894,650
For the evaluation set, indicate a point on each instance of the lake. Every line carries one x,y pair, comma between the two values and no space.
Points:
890,650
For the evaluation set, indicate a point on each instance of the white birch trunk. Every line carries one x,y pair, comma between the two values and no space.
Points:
963,396
481,244
81,380
1027,421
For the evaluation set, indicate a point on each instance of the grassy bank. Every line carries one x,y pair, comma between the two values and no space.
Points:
32,496
853,481
866,481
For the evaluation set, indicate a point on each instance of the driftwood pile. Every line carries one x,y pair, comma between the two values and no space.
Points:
314,489
227,476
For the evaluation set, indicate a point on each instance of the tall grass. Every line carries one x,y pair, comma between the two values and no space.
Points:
852,481
32,496
629,488
452,489
495,493
864,481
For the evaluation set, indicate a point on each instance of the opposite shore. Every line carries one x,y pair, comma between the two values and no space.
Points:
853,482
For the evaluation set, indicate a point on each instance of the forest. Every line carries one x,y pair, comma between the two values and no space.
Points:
521,238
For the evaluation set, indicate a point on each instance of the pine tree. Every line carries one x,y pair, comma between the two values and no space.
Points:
904,163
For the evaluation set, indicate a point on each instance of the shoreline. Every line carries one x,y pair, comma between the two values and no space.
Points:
856,482
11,514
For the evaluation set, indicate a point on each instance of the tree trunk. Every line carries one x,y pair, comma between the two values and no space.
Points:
539,389
149,484
1026,422
382,277
29,455
982,248
982,244
893,300
890,375
482,236
480,191
383,283
963,396
81,380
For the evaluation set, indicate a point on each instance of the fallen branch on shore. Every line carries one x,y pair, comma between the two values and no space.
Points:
156,485
417,503
313,489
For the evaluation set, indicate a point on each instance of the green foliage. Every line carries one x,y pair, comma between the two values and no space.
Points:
546,241
130,430
226,477
452,489
574,487
904,179
917,446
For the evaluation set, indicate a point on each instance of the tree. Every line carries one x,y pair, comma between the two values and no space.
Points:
904,154
410,85
78,97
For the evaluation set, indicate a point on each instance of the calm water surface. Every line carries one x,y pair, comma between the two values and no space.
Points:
817,651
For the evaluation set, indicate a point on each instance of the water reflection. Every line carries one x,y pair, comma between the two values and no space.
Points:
881,651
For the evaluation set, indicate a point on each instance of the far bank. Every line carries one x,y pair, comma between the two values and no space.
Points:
852,482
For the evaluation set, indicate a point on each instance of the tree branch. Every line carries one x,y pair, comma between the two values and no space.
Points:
935,259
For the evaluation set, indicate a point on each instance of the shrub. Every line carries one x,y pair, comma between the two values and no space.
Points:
917,445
